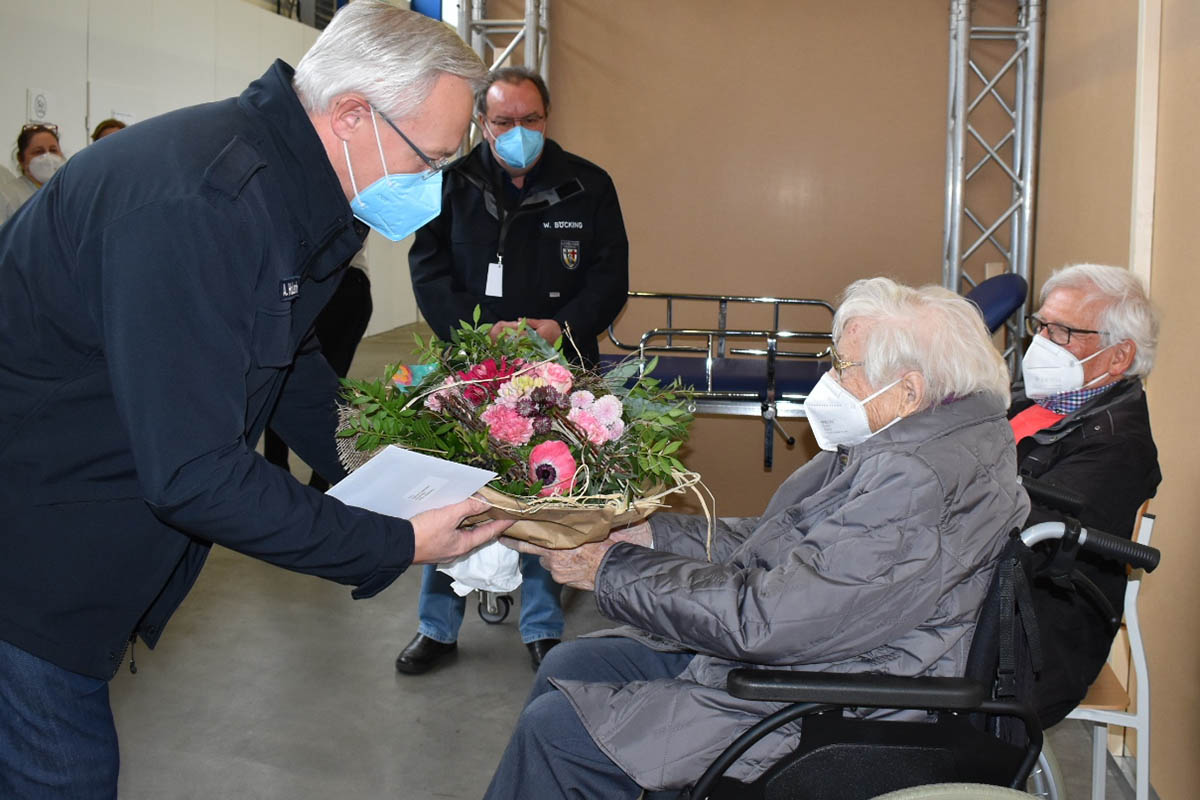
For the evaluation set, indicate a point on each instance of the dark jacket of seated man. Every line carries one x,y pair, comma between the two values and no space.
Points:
1104,452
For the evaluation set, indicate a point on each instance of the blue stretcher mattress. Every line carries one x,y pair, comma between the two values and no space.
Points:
792,376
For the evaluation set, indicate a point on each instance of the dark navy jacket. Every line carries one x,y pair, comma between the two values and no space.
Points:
156,298
566,256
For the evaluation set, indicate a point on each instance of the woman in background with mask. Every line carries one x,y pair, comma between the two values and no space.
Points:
874,556
38,156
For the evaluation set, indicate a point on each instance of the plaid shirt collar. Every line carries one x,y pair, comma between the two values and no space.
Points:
1070,402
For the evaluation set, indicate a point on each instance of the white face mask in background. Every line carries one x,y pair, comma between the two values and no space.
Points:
1051,369
42,168
838,417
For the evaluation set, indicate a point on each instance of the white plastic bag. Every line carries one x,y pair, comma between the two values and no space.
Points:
491,568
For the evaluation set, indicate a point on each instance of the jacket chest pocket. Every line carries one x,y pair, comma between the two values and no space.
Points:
271,343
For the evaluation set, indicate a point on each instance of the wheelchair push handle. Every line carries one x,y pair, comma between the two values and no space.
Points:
1138,556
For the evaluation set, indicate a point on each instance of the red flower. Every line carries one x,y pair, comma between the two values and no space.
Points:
491,375
552,463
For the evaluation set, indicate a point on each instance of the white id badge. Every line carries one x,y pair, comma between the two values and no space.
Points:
495,280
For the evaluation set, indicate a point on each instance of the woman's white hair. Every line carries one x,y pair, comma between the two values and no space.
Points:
1127,313
391,56
930,330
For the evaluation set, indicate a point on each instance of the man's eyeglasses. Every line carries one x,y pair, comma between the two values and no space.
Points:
434,166
840,364
503,124
40,127
1057,333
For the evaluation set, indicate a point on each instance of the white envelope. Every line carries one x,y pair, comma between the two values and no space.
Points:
403,483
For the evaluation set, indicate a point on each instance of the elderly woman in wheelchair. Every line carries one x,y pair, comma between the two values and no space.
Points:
874,557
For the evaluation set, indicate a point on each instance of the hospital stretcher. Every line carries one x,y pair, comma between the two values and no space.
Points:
762,370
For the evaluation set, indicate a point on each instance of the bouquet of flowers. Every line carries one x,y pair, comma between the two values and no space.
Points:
576,452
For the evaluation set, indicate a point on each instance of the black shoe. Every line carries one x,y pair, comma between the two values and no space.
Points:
538,649
422,653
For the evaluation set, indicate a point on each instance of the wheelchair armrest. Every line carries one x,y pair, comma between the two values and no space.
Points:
856,689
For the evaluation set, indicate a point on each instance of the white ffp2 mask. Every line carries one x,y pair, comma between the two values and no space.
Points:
838,417
1051,369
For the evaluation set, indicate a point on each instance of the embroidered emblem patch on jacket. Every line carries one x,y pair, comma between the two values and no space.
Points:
569,250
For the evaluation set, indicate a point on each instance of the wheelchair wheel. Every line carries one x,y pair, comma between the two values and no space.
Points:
494,609
1046,779
954,791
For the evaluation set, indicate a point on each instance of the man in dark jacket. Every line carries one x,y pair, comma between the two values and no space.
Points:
1081,423
527,230
530,231
156,299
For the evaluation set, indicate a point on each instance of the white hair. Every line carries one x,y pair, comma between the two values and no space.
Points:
391,56
1128,313
931,330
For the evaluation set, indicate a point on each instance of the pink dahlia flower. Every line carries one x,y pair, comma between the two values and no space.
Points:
552,463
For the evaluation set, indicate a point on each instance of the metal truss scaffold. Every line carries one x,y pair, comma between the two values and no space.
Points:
490,37
992,116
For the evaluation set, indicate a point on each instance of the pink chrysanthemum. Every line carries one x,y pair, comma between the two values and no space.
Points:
552,463
506,425
600,420
607,409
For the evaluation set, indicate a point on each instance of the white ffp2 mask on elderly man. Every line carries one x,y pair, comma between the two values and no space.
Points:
1051,369
838,417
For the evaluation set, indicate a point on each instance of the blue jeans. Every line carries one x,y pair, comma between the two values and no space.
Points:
441,610
551,754
57,738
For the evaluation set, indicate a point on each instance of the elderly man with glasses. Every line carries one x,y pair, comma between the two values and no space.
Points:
1081,423
529,231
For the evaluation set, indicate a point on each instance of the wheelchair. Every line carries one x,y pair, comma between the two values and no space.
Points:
979,729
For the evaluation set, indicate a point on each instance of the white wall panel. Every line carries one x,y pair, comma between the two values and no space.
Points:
184,53
43,45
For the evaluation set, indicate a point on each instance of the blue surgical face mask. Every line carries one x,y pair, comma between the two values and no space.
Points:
396,205
520,147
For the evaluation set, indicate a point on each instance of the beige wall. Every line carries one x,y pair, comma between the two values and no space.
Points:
1083,214
758,148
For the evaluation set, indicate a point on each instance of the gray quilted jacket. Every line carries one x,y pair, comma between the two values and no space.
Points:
872,559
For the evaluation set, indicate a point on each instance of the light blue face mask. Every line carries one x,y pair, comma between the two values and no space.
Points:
396,205
520,147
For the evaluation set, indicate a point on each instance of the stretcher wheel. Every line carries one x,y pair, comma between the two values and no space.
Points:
503,606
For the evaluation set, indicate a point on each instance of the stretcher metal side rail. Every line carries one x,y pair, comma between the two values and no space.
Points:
735,371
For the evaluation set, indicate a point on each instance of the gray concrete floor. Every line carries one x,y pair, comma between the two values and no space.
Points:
270,684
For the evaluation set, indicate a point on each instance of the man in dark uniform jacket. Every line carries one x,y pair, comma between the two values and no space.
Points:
1087,431
156,299
527,230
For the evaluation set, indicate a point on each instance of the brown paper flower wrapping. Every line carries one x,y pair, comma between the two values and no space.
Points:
561,524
